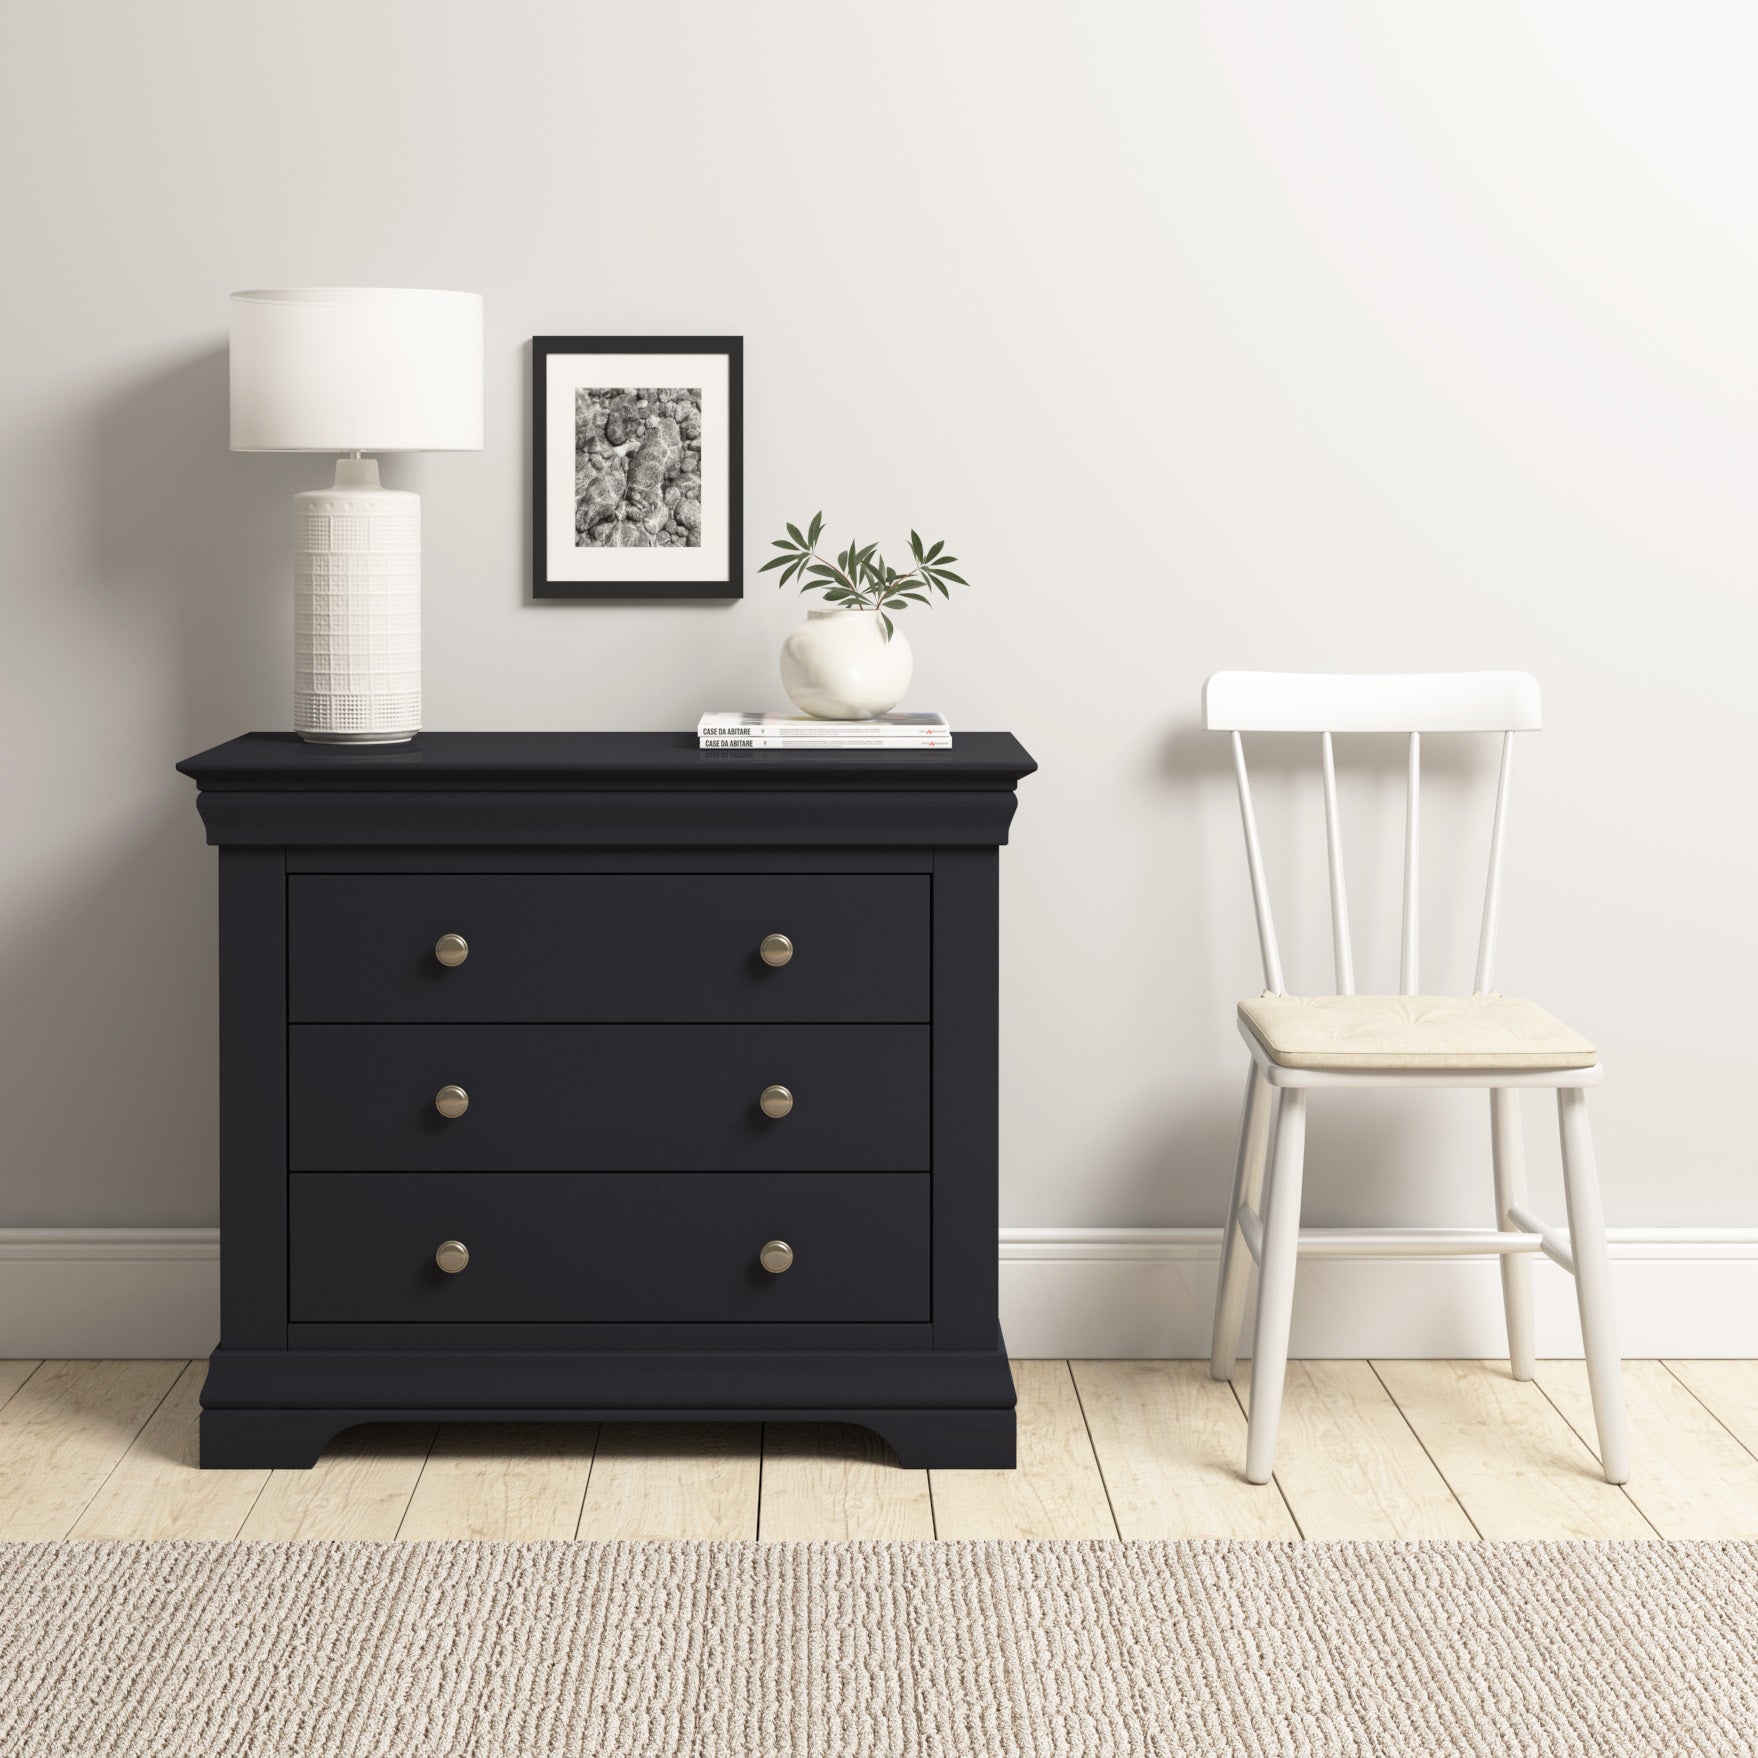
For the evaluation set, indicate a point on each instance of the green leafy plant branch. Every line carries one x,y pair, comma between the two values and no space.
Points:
861,578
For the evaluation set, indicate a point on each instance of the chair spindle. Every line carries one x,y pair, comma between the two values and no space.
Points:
1260,888
1341,951
1407,971
1492,885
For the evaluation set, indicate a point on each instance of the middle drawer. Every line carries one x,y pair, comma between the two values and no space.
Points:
607,1098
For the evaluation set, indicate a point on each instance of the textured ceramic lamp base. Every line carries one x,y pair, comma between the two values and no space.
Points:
357,610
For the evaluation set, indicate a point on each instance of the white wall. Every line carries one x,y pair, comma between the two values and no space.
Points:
1213,335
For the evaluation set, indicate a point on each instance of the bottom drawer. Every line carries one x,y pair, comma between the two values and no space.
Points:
647,1247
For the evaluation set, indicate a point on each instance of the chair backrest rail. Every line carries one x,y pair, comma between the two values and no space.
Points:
1341,951
1505,702
1448,701
1408,976
1492,886
1260,889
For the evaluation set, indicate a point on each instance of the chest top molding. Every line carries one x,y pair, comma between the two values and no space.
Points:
602,789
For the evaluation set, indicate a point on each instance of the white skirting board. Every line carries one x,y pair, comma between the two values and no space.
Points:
1084,1292
146,1293
1149,1292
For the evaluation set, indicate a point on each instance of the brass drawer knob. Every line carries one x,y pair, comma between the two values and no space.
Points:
777,1255
776,1102
451,949
452,1256
776,950
451,1101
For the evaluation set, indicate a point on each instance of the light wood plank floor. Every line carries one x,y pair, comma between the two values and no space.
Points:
1132,1449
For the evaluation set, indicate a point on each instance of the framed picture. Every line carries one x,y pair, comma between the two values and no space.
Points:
637,470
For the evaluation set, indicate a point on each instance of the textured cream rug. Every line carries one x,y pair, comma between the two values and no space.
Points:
844,1650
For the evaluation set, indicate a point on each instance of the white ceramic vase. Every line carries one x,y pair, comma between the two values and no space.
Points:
838,665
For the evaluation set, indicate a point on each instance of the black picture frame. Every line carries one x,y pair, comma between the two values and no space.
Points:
543,348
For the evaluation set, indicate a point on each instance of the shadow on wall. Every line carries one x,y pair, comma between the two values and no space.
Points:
207,535
1364,1148
174,626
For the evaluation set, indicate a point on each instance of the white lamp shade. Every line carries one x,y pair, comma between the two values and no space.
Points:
356,369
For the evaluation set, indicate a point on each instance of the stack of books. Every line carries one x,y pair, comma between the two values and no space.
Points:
802,732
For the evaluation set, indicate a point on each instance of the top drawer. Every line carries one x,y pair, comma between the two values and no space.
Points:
614,947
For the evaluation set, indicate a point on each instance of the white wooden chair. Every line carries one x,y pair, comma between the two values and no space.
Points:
1302,1043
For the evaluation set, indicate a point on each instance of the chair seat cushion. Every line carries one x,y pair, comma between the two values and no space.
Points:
1412,1031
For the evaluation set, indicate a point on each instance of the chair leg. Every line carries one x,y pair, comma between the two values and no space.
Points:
1248,1183
1593,1284
1508,1151
1275,1282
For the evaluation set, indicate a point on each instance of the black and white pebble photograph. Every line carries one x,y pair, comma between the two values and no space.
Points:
637,490
637,468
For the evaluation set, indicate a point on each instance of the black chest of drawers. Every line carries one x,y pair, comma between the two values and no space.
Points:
591,1076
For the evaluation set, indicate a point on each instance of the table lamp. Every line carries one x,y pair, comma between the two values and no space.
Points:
347,370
